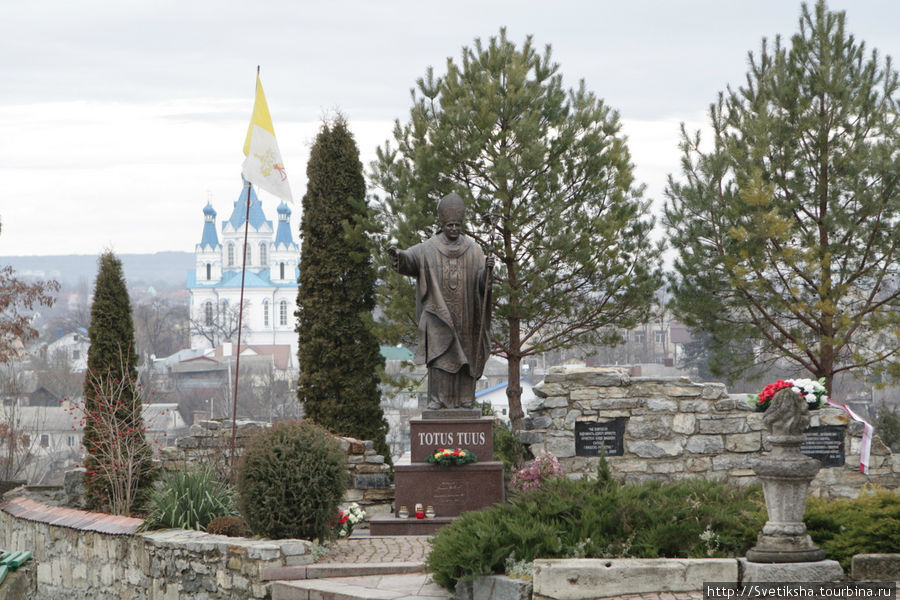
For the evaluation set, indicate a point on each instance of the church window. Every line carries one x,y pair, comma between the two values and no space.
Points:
282,271
262,254
231,254
265,313
208,313
282,313
208,271
249,259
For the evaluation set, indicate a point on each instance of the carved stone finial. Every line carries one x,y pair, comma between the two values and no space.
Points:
787,414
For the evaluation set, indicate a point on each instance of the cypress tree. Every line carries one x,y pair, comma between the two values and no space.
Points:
114,431
339,355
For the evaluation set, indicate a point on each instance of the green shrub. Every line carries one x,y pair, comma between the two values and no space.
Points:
230,525
290,480
888,427
189,499
867,524
508,449
580,518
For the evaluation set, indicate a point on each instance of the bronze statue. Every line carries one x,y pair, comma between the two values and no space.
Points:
452,307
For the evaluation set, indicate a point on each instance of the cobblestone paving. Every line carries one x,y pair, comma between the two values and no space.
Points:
408,548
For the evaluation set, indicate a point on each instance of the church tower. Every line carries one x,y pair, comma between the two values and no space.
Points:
270,279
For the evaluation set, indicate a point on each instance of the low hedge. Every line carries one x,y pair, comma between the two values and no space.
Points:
867,524
599,518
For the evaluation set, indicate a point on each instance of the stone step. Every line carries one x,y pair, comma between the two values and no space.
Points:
334,570
373,587
389,526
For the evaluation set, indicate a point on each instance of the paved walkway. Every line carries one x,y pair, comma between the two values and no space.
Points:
362,548
356,552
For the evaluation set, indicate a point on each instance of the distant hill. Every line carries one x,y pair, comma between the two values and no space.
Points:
163,270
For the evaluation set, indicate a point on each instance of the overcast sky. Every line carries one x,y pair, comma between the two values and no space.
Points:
120,119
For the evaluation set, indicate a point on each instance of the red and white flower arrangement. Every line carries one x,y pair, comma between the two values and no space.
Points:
349,519
813,392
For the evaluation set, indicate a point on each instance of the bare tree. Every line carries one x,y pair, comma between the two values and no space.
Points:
217,322
17,435
55,374
17,301
121,453
161,327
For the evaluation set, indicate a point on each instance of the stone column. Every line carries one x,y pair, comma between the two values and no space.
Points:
785,474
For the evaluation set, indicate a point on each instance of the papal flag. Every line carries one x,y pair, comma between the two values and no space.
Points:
263,165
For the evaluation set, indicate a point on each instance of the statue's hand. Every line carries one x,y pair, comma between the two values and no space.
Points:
490,261
395,256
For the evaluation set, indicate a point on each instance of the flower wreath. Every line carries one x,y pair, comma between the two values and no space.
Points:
813,392
447,457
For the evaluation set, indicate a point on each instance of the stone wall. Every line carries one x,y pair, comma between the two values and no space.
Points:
209,442
676,429
172,564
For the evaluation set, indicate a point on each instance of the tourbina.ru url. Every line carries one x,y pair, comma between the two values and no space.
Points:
813,590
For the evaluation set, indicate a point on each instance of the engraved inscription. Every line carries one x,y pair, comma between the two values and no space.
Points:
452,438
825,444
450,492
595,438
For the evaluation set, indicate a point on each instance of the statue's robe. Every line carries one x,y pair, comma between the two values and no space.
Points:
453,340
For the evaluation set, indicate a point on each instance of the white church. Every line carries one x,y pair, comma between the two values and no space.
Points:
270,281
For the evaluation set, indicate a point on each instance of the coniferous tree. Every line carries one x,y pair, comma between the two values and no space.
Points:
119,459
569,229
339,354
787,227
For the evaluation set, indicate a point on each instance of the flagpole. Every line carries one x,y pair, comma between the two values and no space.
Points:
237,365
266,159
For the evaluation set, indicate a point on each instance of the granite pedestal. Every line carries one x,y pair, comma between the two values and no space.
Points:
450,490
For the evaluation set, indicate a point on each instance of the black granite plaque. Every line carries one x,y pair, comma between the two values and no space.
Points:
594,438
825,444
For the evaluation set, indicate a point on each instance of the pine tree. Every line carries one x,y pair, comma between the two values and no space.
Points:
339,354
118,459
574,259
787,227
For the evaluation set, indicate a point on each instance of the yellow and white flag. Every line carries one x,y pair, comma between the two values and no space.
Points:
264,165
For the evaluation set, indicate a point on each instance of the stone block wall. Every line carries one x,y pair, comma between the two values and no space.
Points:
676,429
171,564
209,442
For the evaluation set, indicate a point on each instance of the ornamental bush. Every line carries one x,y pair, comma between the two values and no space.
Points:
600,518
189,499
290,480
230,525
507,448
542,468
867,524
